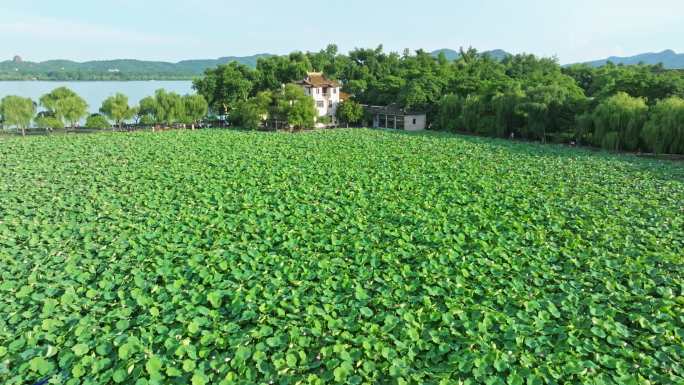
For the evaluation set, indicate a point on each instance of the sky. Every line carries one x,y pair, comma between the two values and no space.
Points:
173,30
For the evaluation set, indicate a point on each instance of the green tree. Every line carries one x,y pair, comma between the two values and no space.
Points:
294,106
618,122
17,112
116,108
97,122
664,130
65,105
196,108
349,112
274,71
226,85
251,113
650,82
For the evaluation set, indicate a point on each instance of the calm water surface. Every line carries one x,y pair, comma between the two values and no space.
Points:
94,92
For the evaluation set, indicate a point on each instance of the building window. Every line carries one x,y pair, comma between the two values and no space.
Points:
330,104
414,121
318,90
319,104
334,90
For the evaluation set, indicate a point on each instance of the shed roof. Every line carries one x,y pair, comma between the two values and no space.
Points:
392,109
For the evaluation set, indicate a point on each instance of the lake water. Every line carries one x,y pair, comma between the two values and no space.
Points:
94,92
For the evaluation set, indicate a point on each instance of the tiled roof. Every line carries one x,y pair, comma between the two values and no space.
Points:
317,79
344,96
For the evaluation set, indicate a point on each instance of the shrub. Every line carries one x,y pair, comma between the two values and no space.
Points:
97,121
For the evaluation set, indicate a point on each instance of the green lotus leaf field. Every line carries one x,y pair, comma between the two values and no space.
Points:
345,256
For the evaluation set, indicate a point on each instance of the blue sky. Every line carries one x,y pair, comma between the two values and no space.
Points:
172,30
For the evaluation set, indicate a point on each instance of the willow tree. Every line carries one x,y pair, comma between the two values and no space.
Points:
146,113
196,108
170,108
509,118
543,107
65,105
449,109
664,130
618,122
17,112
116,108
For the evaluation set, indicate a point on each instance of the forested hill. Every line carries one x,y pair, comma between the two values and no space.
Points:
669,58
122,69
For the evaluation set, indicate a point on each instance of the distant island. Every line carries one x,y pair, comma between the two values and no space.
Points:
129,69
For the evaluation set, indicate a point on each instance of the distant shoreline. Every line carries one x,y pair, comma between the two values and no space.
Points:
97,80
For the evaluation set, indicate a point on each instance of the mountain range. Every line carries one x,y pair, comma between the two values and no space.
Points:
669,58
120,69
125,69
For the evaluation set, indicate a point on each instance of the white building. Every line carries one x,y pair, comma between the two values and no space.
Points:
325,93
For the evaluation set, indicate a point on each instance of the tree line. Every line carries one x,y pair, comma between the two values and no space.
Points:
616,107
630,108
64,108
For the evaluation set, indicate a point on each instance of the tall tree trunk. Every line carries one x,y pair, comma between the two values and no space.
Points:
23,131
193,126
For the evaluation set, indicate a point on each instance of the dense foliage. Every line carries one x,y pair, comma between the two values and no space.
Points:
507,95
349,256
